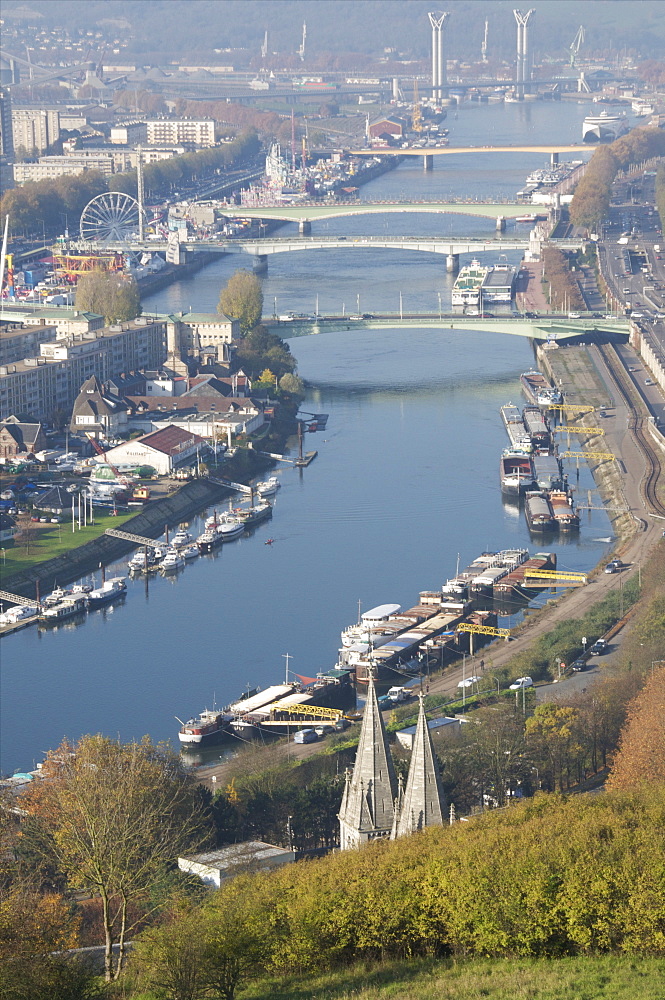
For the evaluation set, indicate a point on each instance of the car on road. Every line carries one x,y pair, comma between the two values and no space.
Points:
521,683
468,682
649,381
599,647
614,566
578,665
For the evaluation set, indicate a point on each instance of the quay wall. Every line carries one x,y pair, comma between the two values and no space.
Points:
187,501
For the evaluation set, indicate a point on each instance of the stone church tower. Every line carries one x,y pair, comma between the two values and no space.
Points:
423,801
374,805
367,810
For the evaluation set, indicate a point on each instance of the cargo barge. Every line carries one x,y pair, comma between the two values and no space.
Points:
516,473
520,442
548,473
536,427
538,512
539,391
306,700
516,585
562,508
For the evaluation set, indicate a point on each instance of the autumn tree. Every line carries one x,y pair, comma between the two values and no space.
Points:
641,755
551,738
242,299
116,815
113,296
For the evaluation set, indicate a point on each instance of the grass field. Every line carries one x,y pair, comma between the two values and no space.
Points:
605,977
51,540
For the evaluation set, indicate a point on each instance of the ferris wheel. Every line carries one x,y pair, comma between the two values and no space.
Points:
110,217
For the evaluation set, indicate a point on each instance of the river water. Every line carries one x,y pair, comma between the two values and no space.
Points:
406,481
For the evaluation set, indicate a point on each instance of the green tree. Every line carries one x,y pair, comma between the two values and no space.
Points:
242,299
293,385
113,296
116,814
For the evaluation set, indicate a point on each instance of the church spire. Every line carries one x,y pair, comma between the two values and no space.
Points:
367,809
423,802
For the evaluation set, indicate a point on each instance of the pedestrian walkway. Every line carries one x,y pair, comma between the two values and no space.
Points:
529,295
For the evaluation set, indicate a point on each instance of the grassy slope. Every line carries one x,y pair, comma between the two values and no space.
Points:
55,539
582,978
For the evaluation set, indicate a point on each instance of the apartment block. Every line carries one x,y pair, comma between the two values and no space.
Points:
50,382
194,131
35,128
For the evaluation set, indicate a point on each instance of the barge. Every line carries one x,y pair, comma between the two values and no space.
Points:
516,473
538,512
520,442
562,508
548,473
536,427
539,391
516,585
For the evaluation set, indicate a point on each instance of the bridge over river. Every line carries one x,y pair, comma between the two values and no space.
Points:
315,210
551,327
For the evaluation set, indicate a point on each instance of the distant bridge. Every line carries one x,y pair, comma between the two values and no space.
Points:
261,249
455,150
545,328
318,210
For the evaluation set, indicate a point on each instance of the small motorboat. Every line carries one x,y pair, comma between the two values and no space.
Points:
269,541
268,487
191,552
181,539
171,562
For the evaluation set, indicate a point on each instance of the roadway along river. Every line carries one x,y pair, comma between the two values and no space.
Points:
405,480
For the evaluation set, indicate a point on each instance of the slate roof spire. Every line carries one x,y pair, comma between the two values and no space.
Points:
423,802
367,810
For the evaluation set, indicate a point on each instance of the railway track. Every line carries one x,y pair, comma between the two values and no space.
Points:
652,459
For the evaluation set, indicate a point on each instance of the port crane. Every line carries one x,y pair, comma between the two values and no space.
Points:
556,576
483,45
602,456
570,407
576,429
576,45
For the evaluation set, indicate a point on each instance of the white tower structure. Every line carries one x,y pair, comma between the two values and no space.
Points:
523,54
437,19
301,50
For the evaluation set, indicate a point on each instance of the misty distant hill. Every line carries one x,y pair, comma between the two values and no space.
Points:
197,27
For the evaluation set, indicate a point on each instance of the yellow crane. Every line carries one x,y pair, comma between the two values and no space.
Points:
602,456
556,575
576,429
416,115
318,711
576,407
502,633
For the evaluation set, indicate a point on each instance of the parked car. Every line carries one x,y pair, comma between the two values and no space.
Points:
305,736
578,665
520,683
614,566
599,647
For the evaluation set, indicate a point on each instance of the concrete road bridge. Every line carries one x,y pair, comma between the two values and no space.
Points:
429,152
261,249
552,328
309,212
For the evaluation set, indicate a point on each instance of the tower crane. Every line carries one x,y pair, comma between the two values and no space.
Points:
577,43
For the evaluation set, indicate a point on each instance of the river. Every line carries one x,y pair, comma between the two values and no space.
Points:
406,481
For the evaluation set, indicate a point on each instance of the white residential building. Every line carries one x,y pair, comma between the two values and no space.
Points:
35,128
167,131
